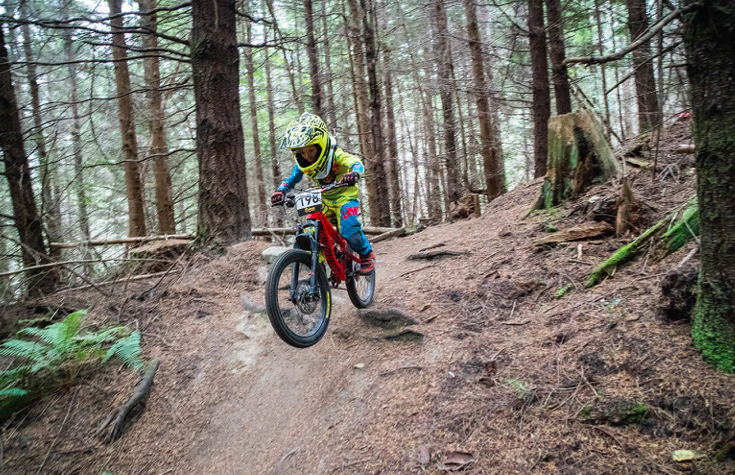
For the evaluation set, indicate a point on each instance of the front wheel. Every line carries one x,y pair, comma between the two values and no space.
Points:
361,289
299,317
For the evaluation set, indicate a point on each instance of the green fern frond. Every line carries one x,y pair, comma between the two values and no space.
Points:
128,350
30,350
13,392
106,336
73,323
14,374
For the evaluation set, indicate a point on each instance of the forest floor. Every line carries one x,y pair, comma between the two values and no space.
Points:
507,374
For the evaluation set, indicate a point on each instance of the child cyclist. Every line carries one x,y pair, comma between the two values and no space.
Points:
316,155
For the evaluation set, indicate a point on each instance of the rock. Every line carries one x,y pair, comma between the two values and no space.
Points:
261,274
273,253
405,334
359,365
249,306
389,318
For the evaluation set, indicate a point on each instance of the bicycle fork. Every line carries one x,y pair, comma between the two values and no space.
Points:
313,290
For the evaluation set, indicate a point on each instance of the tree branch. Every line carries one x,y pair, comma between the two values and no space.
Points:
637,43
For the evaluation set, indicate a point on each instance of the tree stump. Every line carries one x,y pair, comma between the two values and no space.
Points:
578,157
629,210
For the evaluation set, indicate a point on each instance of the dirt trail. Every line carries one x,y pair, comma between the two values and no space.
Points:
282,404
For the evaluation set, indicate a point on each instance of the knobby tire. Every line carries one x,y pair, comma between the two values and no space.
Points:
275,315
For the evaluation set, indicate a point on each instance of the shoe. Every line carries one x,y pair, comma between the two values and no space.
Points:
367,263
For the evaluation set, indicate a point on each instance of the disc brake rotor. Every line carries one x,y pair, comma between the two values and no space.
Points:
304,302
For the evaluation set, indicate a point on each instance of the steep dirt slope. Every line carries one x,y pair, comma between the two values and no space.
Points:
526,382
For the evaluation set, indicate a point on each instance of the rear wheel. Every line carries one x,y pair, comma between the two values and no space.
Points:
297,316
361,289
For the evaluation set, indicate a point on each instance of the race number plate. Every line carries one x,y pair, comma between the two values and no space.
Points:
308,202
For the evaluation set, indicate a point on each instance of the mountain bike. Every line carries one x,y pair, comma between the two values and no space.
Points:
298,296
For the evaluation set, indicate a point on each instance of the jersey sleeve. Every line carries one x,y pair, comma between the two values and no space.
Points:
349,162
292,180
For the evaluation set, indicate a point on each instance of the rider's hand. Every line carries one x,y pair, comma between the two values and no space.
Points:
350,179
277,197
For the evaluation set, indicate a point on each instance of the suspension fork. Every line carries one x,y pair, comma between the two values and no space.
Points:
314,258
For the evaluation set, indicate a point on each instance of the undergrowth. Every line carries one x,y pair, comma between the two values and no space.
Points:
57,353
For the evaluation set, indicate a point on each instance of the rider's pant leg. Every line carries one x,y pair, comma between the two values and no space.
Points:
351,229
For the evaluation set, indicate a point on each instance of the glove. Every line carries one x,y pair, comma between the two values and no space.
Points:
277,197
350,179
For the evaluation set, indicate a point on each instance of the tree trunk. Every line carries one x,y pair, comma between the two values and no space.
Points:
50,208
393,171
328,79
494,179
540,83
645,84
260,208
431,165
601,49
76,139
133,184
296,96
472,147
557,55
363,117
378,165
316,88
446,86
579,156
164,203
223,198
708,38
621,103
275,168
17,172
462,135
494,105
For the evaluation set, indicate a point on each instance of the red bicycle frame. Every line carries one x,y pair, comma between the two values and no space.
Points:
328,236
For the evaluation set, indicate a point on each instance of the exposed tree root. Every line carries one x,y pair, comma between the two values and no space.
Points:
118,417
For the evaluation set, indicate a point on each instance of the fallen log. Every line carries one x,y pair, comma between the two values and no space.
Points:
119,415
390,234
288,231
116,281
127,240
255,232
577,233
434,254
669,238
638,162
685,148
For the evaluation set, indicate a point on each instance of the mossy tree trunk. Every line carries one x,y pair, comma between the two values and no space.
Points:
708,38
578,157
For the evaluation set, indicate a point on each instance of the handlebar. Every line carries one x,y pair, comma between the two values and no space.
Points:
288,201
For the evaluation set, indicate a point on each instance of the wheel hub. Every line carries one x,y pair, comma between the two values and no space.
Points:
304,300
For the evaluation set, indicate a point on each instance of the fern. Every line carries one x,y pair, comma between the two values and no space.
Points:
12,392
59,344
30,350
128,350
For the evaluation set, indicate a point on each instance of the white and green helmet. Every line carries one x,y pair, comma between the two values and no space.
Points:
310,129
